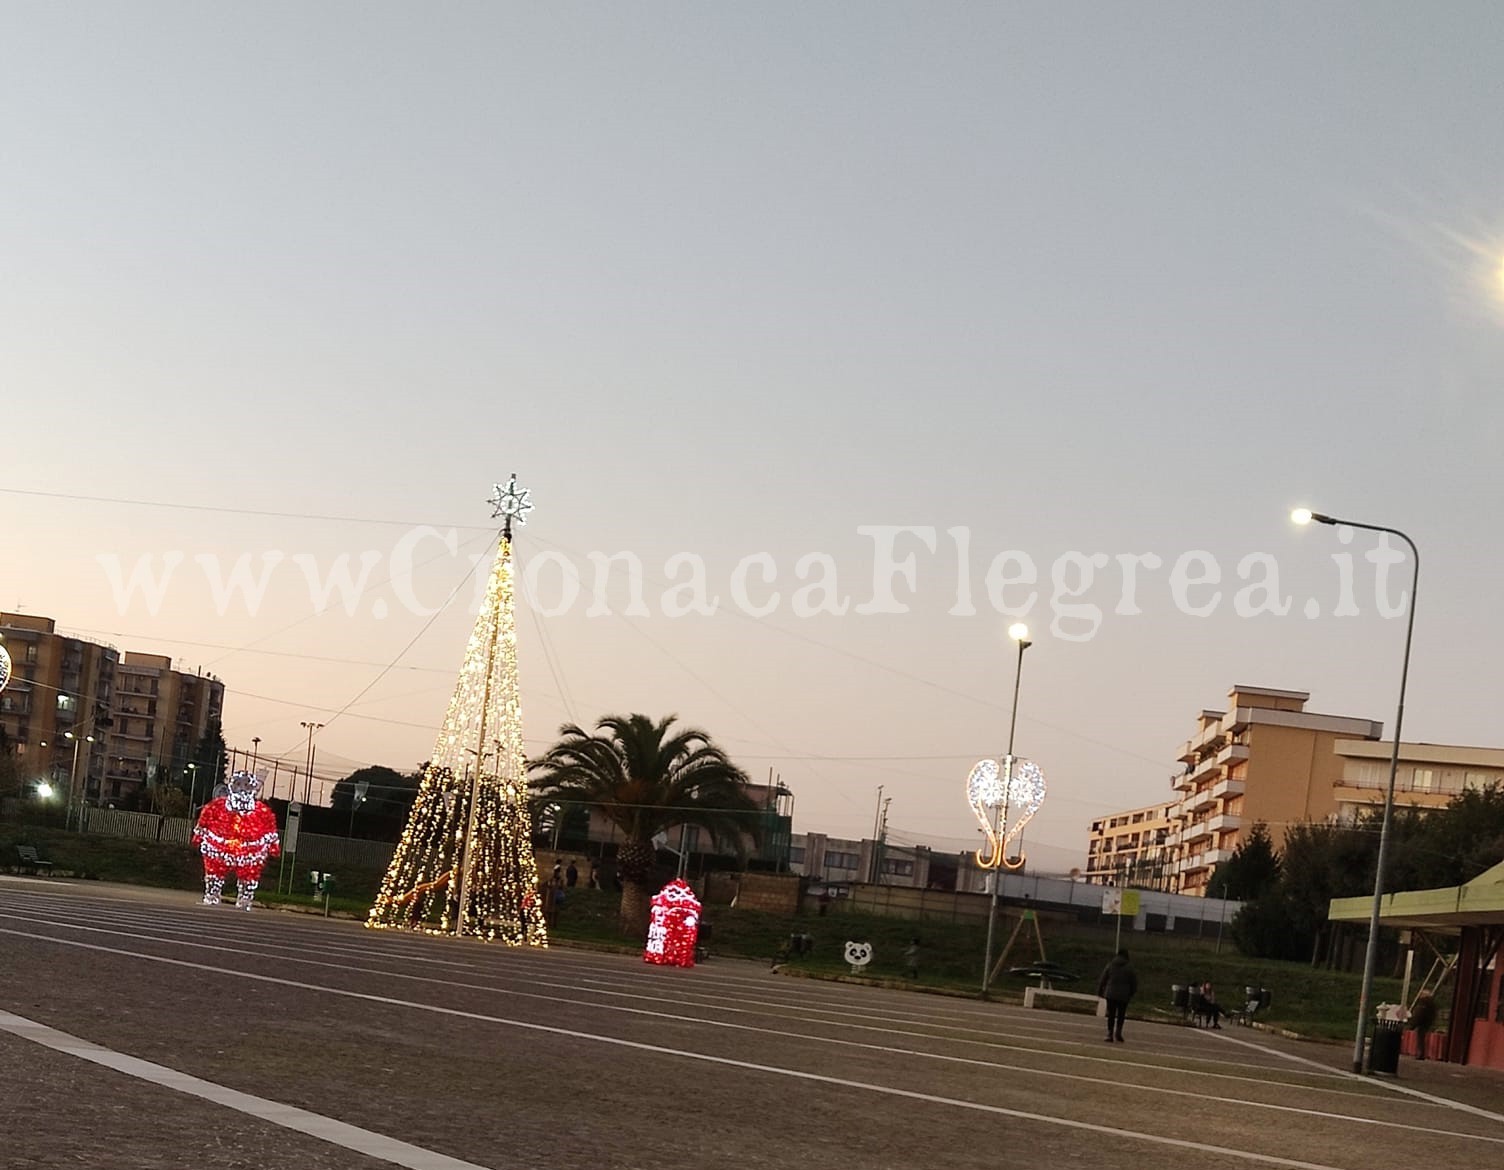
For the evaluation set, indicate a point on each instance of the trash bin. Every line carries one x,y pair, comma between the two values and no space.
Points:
1384,1048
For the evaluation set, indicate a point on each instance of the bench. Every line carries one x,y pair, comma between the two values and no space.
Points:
1194,1008
1032,996
1256,1003
30,861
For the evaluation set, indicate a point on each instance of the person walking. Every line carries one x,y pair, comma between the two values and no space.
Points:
1119,984
572,875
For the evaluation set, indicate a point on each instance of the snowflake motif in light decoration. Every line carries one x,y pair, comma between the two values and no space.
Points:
511,502
4,667
1004,800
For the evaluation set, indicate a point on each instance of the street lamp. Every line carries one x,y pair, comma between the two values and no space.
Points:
73,785
192,787
308,787
1020,634
255,749
1370,956
44,790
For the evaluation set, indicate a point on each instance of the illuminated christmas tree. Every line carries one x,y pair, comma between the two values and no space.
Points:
465,864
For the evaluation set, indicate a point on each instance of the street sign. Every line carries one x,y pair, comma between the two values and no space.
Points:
1120,902
290,833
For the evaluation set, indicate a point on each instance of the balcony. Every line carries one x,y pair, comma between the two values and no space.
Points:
1233,751
1182,782
1205,768
1198,831
1217,856
1203,799
1225,788
1224,823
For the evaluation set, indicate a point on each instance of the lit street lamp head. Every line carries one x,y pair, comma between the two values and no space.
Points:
1019,633
1305,516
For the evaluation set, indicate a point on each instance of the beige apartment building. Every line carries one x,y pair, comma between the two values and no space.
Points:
1265,758
160,715
56,709
1132,847
127,714
1429,774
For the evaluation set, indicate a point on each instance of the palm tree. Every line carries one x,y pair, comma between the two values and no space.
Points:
647,777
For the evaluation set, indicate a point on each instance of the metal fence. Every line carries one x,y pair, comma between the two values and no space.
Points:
317,848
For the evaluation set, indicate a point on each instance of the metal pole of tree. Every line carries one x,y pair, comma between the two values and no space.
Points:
1370,957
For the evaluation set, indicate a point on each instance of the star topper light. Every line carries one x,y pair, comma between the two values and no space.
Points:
510,503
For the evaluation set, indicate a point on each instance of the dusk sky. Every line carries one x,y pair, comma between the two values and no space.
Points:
728,280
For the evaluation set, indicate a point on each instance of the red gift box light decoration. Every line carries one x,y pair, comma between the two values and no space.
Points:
674,926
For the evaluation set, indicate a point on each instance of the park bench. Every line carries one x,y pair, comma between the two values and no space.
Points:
1034,995
1255,1003
1194,1008
29,861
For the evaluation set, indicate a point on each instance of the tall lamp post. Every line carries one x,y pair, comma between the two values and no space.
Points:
1020,634
1370,956
73,784
308,787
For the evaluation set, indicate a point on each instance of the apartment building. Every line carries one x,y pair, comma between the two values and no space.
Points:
160,716
93,722
1265,758
839,861
56,709
1429,774
1132,847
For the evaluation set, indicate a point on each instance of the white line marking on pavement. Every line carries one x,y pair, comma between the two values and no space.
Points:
62,921
326,1129
687,1054
889,1049
1404,1090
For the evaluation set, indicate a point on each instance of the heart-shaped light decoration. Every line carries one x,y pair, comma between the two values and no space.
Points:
1004,799
1026,790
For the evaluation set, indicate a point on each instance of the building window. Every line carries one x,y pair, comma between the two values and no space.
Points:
796,855
835,859
1477,781
1424,781
898,868
66,702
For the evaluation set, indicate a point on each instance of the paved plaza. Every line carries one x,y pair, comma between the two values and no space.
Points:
138,1029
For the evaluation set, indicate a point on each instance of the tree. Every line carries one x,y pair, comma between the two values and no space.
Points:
211,757
390,793
10,768
647,777
1252,869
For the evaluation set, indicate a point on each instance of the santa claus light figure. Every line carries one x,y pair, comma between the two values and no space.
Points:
236,833
674,926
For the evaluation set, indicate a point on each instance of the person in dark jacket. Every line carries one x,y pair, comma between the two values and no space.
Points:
1119,984
1423,1019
